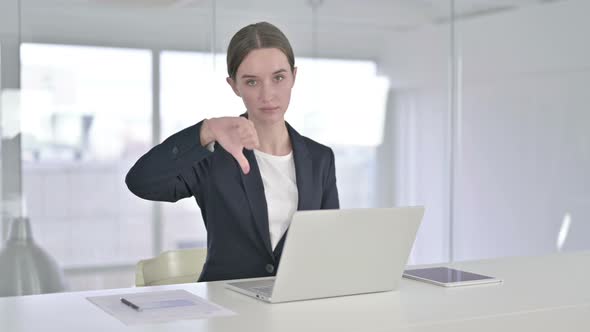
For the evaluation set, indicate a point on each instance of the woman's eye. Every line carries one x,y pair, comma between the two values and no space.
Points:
251,82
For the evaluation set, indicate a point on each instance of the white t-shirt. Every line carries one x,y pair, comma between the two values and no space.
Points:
280,190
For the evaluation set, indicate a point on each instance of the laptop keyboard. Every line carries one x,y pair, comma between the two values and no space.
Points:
261,287
264,290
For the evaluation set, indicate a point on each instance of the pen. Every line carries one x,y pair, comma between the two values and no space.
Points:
130,304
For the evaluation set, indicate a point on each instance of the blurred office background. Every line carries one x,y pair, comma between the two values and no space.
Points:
477,109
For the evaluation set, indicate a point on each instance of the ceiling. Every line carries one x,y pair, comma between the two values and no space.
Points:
394,14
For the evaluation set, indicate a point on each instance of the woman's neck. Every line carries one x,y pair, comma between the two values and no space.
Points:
273,138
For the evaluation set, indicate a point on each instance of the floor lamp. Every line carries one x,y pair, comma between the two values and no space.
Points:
25,268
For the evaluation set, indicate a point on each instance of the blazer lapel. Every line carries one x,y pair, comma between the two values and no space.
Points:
255,189
255,192
303,169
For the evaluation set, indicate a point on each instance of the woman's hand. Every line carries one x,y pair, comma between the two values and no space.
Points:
234,134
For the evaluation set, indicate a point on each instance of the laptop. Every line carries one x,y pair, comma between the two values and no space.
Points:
330,253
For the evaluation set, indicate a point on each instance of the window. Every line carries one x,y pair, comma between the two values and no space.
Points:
86,118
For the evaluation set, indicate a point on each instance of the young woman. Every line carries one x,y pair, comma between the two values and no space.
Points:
248,174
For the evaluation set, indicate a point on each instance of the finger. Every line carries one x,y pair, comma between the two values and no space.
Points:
242,161
255,136
246,134
248,131
253,141
242,132
250,144
244,122
249,138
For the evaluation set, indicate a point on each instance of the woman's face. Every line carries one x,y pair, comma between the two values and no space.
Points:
264,81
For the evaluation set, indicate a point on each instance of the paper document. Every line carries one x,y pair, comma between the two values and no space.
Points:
158,307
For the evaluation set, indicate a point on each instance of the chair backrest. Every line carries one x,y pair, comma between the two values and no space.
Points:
171,267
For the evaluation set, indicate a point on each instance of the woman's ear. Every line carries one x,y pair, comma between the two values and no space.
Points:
294,74
232,83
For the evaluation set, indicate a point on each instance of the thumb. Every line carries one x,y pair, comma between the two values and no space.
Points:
241,159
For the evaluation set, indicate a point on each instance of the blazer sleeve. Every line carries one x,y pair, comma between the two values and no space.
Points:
172,170
330,195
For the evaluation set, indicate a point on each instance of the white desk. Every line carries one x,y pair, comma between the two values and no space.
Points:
549,293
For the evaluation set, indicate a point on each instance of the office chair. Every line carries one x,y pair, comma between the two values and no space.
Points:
171,267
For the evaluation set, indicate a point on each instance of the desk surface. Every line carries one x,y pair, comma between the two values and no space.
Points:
546,293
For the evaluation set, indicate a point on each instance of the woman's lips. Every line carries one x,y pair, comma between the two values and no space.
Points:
269,109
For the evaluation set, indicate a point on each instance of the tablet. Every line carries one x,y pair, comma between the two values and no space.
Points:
447,277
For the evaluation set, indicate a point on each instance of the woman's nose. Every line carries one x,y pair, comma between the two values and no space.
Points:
266,93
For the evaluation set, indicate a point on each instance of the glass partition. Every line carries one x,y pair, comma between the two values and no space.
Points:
523,144
473,109
103,82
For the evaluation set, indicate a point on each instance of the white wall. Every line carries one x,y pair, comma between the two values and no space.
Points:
523,130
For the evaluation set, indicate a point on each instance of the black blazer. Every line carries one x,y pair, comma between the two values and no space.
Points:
233,204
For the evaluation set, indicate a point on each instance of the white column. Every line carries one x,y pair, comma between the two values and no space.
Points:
11,170
157,234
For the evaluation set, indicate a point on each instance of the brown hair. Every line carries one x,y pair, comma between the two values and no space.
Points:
255,36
